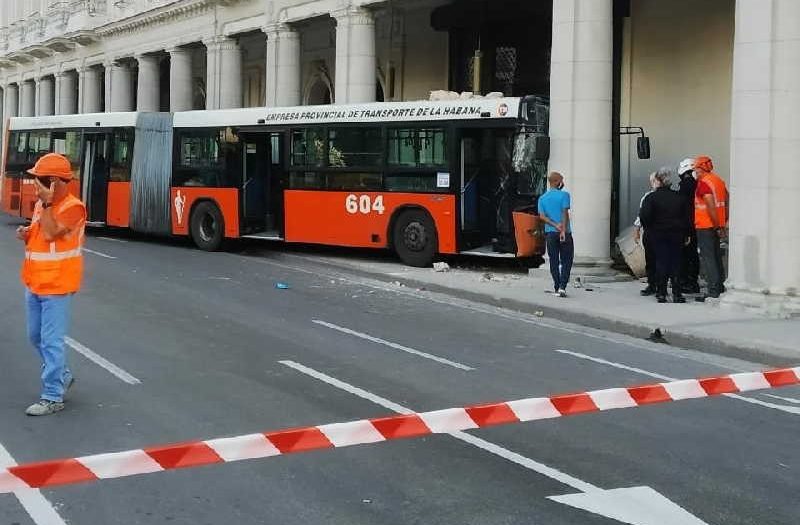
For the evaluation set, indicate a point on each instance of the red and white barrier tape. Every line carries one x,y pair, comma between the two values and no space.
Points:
252,446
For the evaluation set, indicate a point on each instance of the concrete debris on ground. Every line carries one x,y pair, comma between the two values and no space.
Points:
441,267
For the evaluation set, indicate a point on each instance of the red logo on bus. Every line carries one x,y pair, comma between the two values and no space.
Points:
503,110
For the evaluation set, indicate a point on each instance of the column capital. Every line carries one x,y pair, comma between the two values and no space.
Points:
221,43
280,30
178,50
355,16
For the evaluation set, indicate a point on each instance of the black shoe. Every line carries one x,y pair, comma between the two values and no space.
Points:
648,291
679,299
661,299
702,298
690,288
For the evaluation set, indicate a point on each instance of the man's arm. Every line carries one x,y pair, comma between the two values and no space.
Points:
51,228
543,216
711,206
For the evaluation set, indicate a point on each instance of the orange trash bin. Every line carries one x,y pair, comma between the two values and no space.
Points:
528,233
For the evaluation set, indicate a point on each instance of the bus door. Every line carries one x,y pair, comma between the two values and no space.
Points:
94,176
470,190
255,181
278,172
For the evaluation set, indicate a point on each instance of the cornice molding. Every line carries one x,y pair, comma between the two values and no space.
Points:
158,16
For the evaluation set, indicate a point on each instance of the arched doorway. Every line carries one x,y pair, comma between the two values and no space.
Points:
318,92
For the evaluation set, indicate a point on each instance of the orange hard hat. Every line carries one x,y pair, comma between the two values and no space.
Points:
52,165
704,163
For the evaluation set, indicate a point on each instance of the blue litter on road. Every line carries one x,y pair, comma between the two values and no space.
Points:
281,286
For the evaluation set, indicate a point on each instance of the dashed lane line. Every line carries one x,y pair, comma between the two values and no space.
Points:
99,254
482,444
395,346
101,361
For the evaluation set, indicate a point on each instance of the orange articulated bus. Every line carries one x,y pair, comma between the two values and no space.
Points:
421,178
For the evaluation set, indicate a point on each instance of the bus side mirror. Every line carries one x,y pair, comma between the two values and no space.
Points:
643,147
541,147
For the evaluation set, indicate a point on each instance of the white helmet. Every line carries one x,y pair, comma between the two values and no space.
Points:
685,165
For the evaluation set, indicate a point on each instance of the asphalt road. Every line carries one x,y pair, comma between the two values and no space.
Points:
205,334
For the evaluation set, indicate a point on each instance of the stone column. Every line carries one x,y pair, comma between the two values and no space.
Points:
119,82
66,101
46,96
11,103
28,99
148,95
37,93
283,66
89,92
224,70
355,56
180,79
764,257
581,92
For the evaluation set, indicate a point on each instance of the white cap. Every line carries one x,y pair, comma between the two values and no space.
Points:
685,165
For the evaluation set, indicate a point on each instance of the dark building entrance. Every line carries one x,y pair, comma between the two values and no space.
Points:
498,45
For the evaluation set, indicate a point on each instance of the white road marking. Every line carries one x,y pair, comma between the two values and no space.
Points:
782,398
101,361
503,313
112,239
752,401
390,344
487,446
633,505
100,254
38,508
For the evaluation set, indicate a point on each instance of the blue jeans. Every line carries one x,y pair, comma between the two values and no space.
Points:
560,255
48,317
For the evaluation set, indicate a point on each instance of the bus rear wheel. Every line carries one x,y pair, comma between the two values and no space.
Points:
207,226
414,238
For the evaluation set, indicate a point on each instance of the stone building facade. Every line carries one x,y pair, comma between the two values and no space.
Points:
717,77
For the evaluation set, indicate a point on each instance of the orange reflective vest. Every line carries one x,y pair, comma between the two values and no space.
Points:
54,268
702,219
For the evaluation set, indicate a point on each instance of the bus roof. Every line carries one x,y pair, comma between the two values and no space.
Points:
461,109
419,111
84,120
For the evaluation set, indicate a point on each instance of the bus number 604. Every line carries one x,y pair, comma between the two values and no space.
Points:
364,204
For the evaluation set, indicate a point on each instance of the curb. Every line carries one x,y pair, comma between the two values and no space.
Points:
771,356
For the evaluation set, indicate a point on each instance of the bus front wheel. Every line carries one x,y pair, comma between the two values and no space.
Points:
208,227
414,238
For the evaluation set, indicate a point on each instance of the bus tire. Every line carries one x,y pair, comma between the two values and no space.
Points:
414,238
207,226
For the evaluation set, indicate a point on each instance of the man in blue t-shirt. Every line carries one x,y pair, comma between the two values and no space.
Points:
554,211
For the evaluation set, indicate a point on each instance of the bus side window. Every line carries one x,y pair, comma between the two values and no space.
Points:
208,158
68,143
38,145
18,148
121,156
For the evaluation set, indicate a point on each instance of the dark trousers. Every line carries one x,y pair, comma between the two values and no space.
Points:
711,260
668,247
690,264
560,255
649,259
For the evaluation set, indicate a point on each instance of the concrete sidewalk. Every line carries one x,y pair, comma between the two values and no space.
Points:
615,307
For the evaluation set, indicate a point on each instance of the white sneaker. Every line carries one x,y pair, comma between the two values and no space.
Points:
562,293
43,407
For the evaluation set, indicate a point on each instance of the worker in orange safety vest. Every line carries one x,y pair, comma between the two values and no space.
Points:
51,273
711,223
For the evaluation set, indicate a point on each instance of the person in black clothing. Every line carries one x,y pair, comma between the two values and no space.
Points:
665,216
690,261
